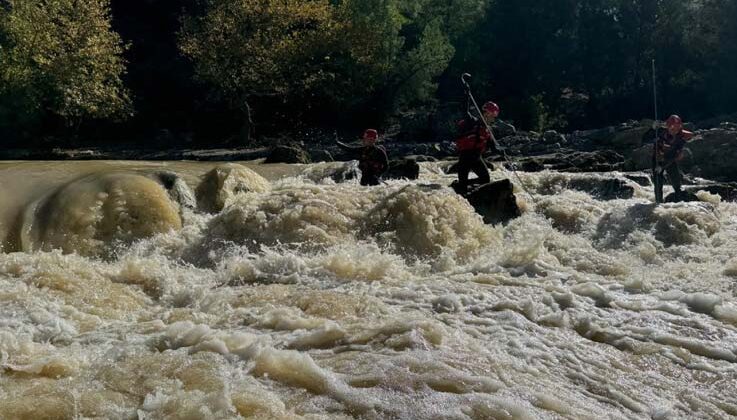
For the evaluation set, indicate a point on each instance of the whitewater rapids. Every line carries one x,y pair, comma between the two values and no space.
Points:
292,296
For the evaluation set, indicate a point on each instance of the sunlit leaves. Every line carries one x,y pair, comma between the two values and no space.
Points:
60,57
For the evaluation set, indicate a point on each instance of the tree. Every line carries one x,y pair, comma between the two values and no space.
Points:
253,49
322,57
59,59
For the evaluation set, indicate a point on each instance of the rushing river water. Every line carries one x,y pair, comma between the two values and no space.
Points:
298,297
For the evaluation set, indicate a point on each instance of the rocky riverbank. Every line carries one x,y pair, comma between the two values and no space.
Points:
618,148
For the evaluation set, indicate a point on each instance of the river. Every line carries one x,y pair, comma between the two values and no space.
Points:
299,297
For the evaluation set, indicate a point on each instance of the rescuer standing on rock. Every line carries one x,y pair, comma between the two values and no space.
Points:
472,142
669,151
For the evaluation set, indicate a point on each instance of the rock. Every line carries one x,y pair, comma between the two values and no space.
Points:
726,190
598,161
92,215
402,169
603,189
178,190
321,155
682,197
502,129
531,165
421,158
643,180
553,137
495,201
453,169
288,154
349,170
628,139
715,153
222,183
641,159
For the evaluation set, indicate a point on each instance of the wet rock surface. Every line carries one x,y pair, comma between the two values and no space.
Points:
407,168
288,154
495,201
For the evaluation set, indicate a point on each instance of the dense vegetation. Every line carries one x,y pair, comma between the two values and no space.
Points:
215,70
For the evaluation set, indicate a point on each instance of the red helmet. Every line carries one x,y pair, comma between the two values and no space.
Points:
674,121
371,134
491,108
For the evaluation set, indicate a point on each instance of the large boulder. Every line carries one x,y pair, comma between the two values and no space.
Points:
288,154
715,154
495,201
92,215
219,186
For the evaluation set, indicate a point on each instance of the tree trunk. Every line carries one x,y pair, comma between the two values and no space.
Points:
247,127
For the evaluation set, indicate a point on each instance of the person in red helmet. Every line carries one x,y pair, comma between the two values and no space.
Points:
472,142
669,151
372,159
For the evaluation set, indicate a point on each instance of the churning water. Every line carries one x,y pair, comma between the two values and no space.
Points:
292,296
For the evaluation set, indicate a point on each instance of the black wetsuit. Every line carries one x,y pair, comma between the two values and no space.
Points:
666,162
372,161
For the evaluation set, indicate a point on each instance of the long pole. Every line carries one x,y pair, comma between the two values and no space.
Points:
655,99
493,139
657,181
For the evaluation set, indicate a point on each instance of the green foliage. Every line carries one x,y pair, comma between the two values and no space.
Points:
550,64
59,58
261,48
317,53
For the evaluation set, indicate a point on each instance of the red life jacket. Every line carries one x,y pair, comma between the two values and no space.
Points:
473,136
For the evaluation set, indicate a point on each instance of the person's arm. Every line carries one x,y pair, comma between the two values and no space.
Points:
347,146
679,149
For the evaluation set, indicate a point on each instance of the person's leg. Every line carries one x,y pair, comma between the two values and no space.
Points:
481,171
675,176
658,186
463,170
